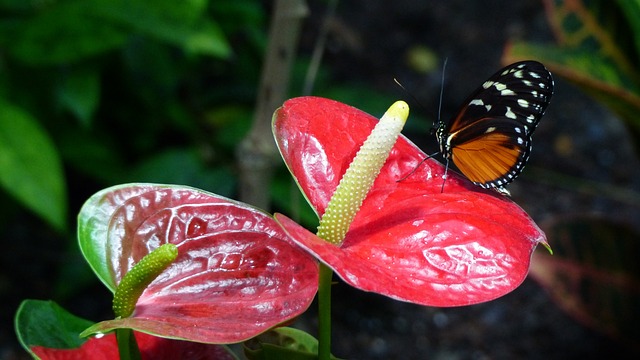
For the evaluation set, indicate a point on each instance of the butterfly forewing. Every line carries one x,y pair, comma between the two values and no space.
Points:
522,89
490,138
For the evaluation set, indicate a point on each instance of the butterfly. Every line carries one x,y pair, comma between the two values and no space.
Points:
489,140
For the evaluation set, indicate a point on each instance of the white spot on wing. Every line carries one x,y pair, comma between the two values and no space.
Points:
510,114
504,90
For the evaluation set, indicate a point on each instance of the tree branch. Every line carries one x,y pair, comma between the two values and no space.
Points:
257,153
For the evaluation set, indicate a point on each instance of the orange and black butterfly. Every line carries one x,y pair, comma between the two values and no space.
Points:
489,140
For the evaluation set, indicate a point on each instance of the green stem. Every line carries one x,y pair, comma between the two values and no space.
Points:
324,312
127,345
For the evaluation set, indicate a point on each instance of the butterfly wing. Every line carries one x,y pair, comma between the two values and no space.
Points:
493,153
489,140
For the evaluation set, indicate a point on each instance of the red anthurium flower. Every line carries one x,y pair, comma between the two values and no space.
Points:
151,347
235,276
409,241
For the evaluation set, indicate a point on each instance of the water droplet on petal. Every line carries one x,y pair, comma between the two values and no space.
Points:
197,227
231,262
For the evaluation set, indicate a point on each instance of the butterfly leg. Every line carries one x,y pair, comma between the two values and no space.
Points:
417,166
444,176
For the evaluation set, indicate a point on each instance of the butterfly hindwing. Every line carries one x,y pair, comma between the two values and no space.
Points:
489,140
491,151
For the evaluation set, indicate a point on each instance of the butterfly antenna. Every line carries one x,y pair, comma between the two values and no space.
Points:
423,108
410,94
446,166
444,68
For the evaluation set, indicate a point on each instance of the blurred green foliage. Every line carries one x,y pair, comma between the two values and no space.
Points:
113,91
597,49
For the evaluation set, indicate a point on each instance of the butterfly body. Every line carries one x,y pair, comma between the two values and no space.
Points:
489,140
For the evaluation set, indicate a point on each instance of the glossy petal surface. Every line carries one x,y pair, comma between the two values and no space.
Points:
236,274
151,347
409,241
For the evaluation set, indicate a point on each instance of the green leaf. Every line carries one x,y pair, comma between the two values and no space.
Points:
282,343
185,167
230,124
16,5
64,32
79,92
594,274
30,168
594,74
182,23
597,50
91,154
45,323
596,26
631,10
207,39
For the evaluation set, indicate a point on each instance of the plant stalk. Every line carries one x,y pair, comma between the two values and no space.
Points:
127,345
257,154
324,312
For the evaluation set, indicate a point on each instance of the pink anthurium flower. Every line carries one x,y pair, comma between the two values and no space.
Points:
409,240
151,347
236,274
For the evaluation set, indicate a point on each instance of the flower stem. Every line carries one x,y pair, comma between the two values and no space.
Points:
324,312
127,345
